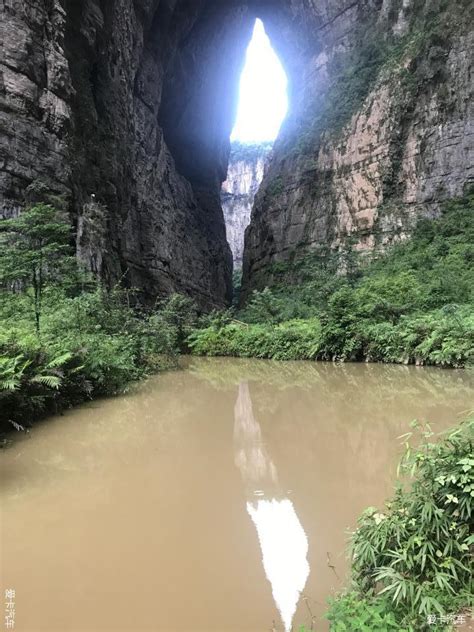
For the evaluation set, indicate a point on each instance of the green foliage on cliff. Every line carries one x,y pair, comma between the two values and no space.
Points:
411,304
64,338
411,562
406,49
249,152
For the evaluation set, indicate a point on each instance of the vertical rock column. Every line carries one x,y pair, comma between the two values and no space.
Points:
244,176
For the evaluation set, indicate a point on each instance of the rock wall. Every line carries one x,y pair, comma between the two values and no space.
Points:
124,109
35,95
244,176
380,134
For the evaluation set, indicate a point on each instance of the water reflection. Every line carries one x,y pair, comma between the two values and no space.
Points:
283,542
145,462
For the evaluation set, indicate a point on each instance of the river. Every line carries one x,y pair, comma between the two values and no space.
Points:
214,498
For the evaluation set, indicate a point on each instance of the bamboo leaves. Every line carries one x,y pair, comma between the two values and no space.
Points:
416,560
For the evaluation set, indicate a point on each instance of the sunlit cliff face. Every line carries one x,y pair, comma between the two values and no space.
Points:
283,542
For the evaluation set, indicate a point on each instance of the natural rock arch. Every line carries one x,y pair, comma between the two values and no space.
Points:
133,101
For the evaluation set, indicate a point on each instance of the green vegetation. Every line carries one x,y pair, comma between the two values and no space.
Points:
377,54
293,340
413,304
411,563
236,286
276,187
63,337
34,252
249,151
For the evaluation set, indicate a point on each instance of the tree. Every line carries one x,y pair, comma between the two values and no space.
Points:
179,312
34,251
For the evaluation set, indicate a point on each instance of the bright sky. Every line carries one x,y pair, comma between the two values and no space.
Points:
263,100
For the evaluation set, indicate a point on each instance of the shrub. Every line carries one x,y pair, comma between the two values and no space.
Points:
293,340
414,558
92,344
353,612
65,338
411,305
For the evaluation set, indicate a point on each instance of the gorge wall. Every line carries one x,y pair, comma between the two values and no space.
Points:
124,109
244,176
381,133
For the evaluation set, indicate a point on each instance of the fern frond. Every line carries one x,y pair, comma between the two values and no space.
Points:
9,384
59,361
51,381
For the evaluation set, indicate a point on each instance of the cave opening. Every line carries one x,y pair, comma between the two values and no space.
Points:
221,75
263,92
261,107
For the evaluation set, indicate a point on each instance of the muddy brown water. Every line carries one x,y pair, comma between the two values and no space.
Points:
214,498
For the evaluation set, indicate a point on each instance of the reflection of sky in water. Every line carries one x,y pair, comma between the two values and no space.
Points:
284,548
282,539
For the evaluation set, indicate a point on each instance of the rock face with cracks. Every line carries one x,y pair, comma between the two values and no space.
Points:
123,108
244,176
381,133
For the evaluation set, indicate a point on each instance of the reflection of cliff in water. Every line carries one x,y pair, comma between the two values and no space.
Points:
316,445
370,383
360,408
283,542
251,457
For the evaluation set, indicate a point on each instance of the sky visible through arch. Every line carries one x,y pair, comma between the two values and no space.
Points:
263,97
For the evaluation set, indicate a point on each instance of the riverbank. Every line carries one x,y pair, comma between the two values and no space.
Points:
90,345
411,561
64,338
412,304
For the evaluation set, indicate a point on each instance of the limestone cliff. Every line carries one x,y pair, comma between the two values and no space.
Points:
125,107
132,102
244,176
380,134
